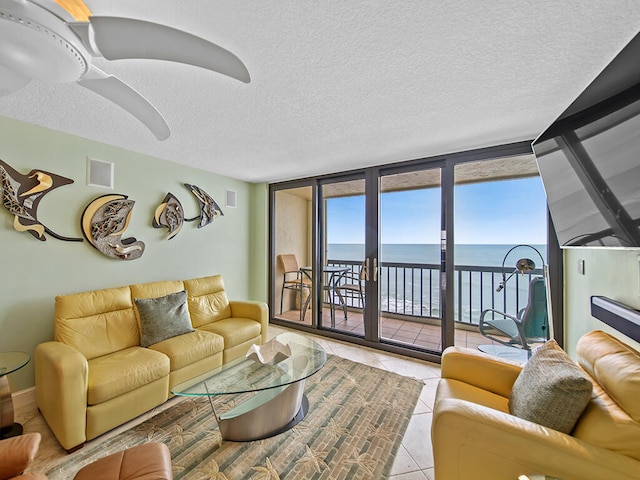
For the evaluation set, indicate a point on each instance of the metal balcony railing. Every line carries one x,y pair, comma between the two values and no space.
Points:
413,290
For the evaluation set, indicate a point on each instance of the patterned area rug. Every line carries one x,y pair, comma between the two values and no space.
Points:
357,418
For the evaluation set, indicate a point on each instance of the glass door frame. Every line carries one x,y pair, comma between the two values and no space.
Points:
372,252
320,234
372,175
446,278
272,260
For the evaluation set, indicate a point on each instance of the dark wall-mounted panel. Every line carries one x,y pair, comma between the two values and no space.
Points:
617,315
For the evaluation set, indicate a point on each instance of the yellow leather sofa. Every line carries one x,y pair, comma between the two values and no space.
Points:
474,436
95,375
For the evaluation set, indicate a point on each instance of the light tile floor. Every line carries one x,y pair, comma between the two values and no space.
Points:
414,460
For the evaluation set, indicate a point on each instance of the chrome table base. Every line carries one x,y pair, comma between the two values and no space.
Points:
266,414
7,427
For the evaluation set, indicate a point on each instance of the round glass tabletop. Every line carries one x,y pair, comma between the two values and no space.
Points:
12,361
245,375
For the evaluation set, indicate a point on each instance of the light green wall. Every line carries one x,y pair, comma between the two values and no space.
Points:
610,272
34,272
259,268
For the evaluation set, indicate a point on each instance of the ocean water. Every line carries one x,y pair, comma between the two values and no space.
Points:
416,291
478,255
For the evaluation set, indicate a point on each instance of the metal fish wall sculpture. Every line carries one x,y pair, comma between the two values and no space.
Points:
169,215
209,209
104,221
21,195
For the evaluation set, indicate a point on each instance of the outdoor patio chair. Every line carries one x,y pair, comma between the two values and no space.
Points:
293,279
353,288
530,325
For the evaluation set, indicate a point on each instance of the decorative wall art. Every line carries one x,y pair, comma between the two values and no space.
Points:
104,221
170,215
209,209
21,195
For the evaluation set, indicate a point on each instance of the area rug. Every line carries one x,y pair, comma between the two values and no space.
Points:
357,417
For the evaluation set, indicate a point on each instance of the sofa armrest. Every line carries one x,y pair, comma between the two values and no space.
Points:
480,369
473,441
257,311
62,374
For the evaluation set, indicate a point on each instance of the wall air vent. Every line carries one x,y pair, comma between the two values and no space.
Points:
99,173
230,196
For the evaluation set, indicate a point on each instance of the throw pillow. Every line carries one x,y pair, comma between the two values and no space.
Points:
551,390
162,318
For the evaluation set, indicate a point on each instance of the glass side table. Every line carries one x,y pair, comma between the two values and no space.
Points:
9,362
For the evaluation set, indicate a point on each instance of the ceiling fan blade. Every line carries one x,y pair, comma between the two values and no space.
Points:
76,8
11,81
120,38
124,96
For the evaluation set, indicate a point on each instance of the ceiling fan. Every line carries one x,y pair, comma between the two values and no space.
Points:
36,42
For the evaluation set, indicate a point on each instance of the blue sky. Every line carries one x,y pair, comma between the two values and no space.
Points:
503,212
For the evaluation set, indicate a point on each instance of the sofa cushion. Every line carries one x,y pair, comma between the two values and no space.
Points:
121,372
187,349
234,330
611,417
551,390
163,317
98,322
208,301
605,424
156,289
615,366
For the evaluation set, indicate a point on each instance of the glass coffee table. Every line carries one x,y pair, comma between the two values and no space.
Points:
278,402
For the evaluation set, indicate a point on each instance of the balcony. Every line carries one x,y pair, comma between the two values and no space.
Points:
410,302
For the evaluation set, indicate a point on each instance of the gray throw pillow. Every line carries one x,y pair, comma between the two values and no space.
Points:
551,390
162,318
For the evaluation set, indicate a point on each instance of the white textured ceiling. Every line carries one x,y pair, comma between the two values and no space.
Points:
337,85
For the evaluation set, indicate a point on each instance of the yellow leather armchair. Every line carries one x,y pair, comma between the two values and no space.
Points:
475,436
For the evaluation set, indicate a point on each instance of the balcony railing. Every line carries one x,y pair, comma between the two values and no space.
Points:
413,290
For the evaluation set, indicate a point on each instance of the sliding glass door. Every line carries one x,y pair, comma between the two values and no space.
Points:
410,262
342,255
380,257
406,257
500,217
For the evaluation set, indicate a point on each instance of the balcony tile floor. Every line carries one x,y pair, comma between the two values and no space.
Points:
403,331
